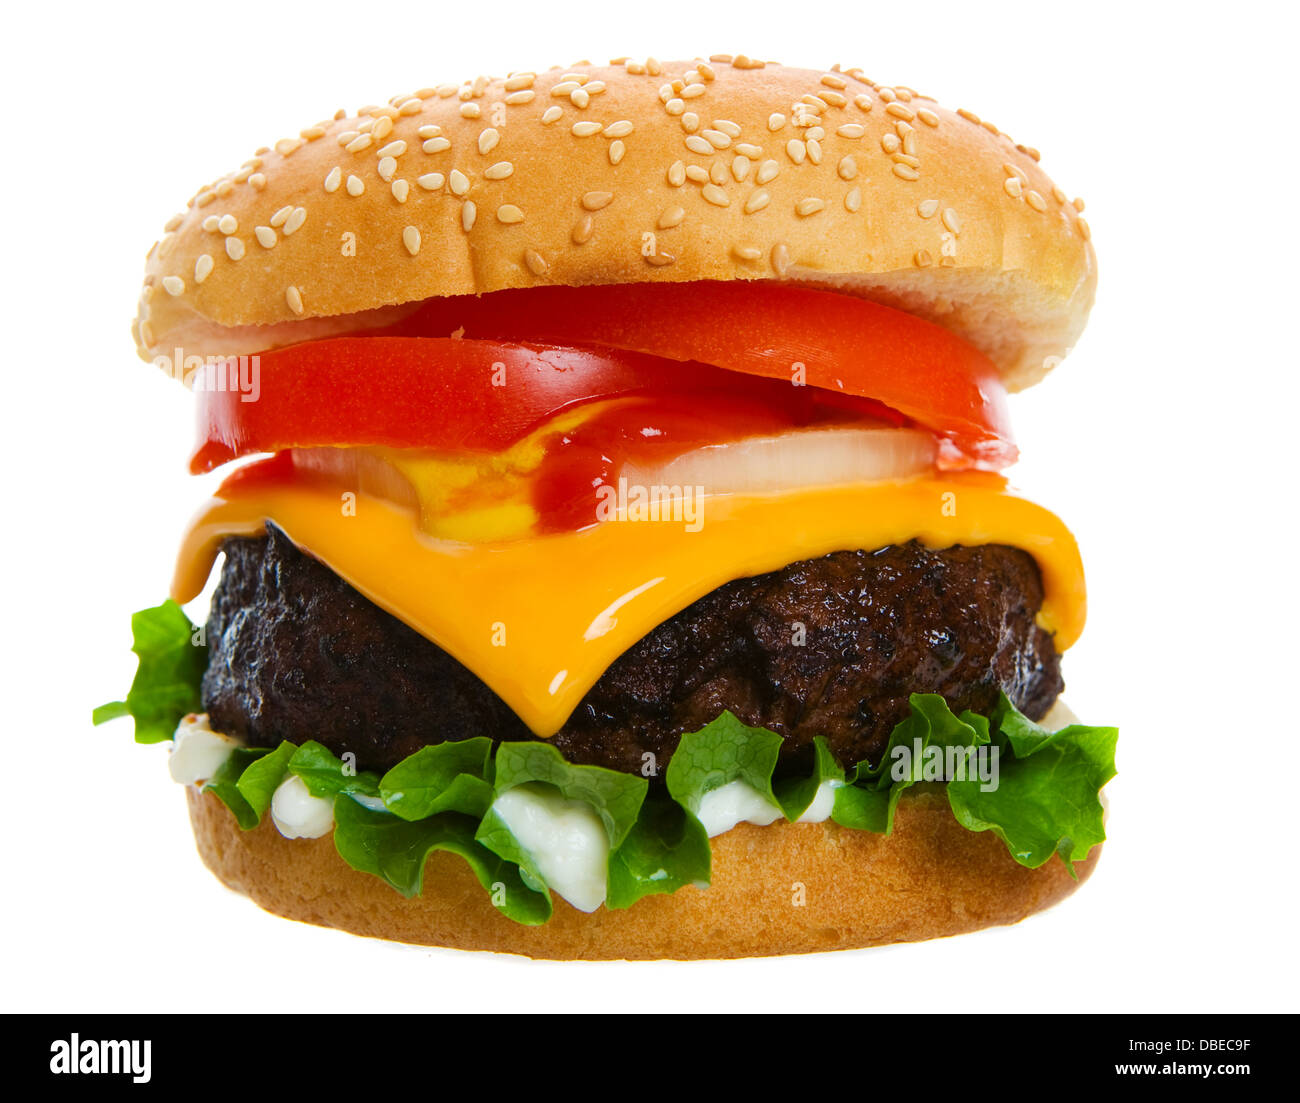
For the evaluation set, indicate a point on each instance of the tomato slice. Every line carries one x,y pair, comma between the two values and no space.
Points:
455,395
843,343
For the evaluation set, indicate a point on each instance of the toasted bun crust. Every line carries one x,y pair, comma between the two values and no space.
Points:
930,879
732,169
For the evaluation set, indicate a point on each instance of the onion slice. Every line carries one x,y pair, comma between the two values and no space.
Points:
804,458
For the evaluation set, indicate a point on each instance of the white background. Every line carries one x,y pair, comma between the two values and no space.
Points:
1166,441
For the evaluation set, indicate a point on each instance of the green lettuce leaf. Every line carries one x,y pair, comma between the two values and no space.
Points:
795,795
1047,799
666,849
327,775
262,777
225,784
447,777
396,850
166,684
721,752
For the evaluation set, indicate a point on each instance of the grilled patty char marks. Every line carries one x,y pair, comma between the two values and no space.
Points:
830,646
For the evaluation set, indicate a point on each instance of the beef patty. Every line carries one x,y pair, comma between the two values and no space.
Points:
830,646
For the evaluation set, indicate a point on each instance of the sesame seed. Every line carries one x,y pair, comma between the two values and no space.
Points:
488,139
564,87
509,214
927,116
906,159
536,262
890,143
382,128
659,260
431,181
594,87
715,195
900,111
620,129
234,248
834,81
923,258
1016,171
814,151
746,252
468,212
333,180
809,206
597,200
520,81
265,236
716,138
696,144
411,106
1077,204
173,285
173,222
697,173
906,172
293,297
767,171
851,130
360,142
228,224
1085,231
499,171
780,258
927,208
909,141
458,182
210,223
616,151
393,149
1011,185
146,334
718,172
671,217
951,220
1058,195
355,186
258,180
732,130
1035,200
429,131
969,116
796,150
835,99
853,201
775,121
690,122
862,101
286,146
470,111
585,129
436,145
401,189
886,94
582,230
675,106
847,168
748,149
446,90
740,166
387,167
411,239
516,99
692,90
990,127
677,174
706,72
347,136
757,201
294,221
579,98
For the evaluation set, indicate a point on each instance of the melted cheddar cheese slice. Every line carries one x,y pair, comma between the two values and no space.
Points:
541,619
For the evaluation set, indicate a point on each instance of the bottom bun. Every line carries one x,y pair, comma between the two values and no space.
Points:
783,889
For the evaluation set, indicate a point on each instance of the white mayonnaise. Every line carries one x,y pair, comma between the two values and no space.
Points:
197,751
739,802
565,838
299,815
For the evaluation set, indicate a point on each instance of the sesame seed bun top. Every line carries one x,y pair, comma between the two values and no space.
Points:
633,172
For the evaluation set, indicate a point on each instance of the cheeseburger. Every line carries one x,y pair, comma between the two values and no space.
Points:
614,559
